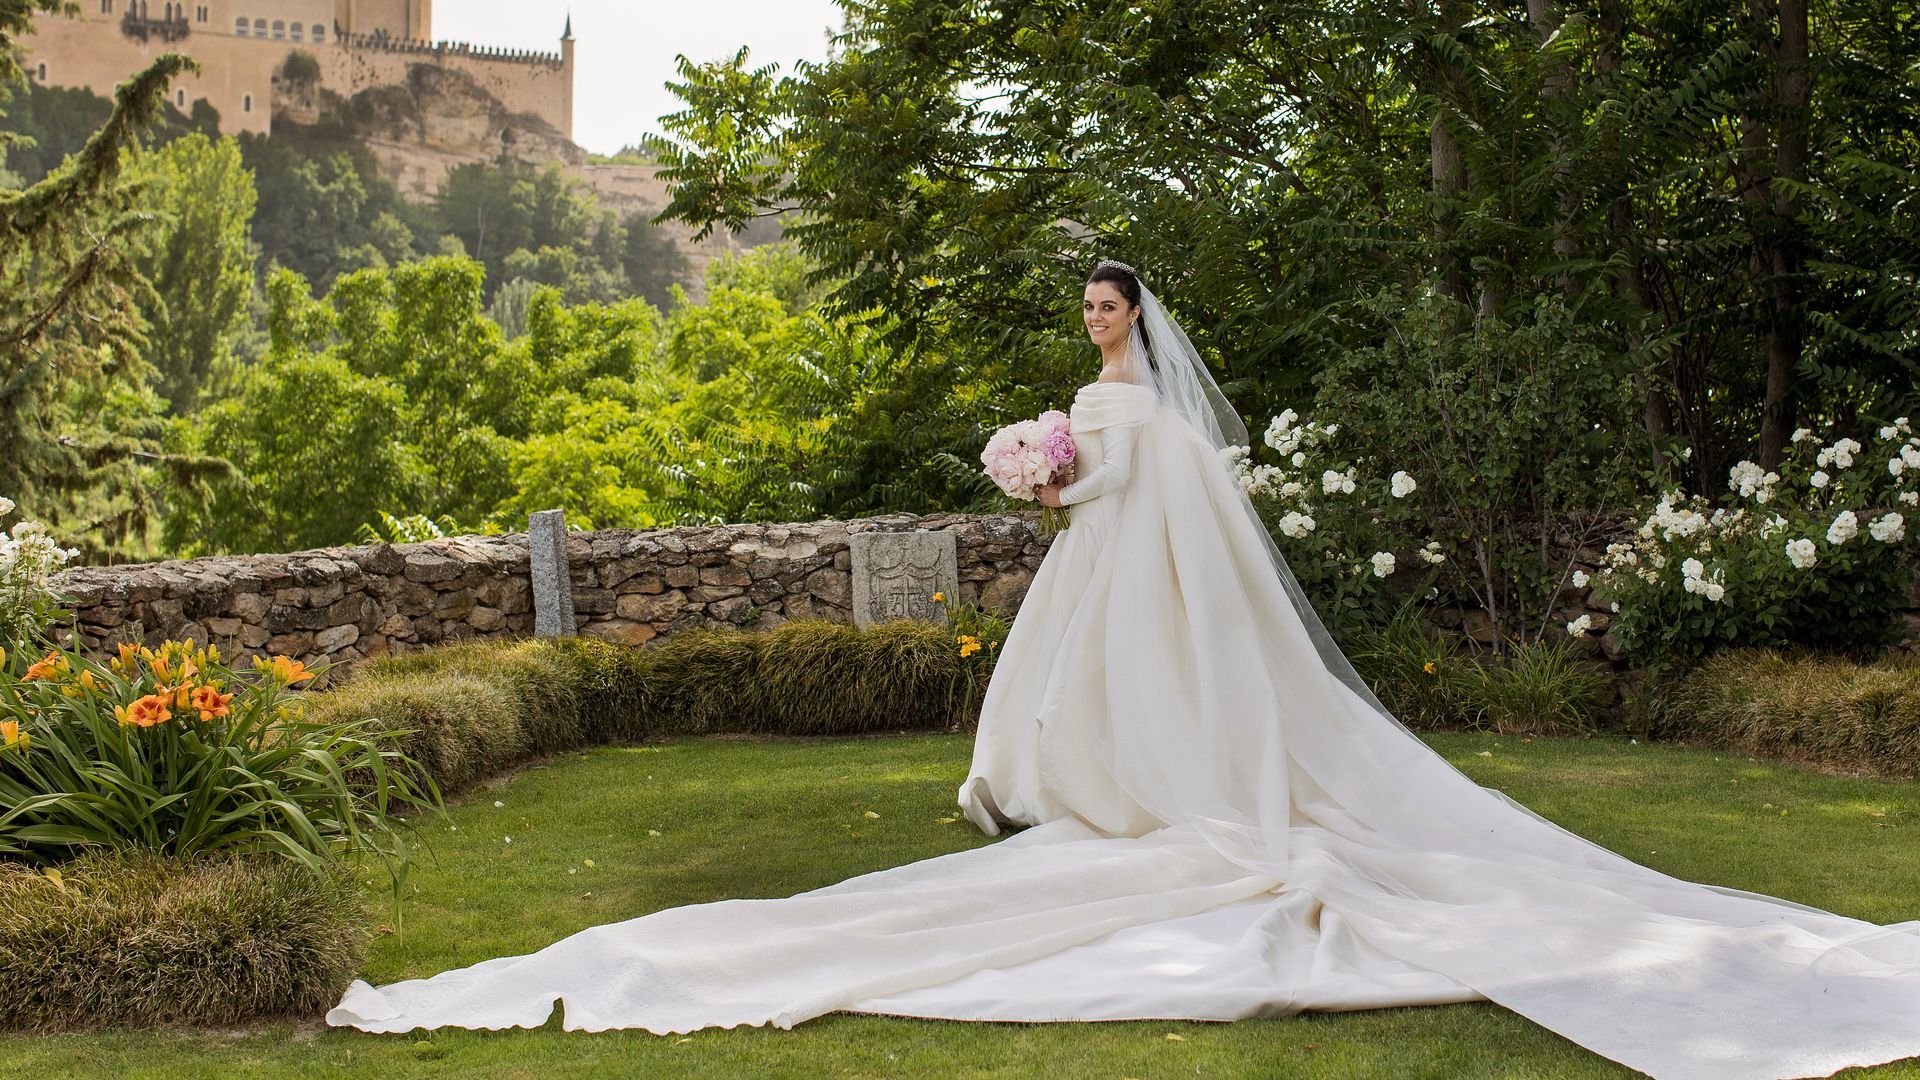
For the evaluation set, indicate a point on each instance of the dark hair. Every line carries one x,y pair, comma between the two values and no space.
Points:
1122,277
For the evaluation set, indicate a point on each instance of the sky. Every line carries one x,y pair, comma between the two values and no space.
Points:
624,50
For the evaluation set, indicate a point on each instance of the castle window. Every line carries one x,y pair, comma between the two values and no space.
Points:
200,13
246,102
279,29
240,26
259,28
294,32
41,73
106,7
319,32
180,98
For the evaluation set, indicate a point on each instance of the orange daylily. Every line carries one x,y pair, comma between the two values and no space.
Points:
210,702
11,735
55,663
284,668
145,712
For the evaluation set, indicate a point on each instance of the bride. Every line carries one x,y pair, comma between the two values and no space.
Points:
1221,821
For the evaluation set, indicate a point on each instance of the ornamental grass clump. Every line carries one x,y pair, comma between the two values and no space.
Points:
131,938
171,751
1815,554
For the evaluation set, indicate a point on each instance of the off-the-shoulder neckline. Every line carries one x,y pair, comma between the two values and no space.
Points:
1131,385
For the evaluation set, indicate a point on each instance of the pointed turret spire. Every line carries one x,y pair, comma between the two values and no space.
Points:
567,34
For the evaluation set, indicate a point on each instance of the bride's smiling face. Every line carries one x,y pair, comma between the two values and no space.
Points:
1107,314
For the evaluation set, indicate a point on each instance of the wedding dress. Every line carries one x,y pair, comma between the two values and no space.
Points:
1223,823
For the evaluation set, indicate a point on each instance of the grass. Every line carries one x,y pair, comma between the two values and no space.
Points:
757,816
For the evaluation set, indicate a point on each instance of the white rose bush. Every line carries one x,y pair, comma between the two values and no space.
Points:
1814,554
1345,524
29,557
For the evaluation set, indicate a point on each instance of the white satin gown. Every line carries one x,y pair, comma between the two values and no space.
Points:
1220,829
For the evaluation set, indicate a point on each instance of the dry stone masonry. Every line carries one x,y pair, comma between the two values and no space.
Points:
346,604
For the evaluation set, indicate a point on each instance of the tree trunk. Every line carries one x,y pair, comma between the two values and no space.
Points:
1778,245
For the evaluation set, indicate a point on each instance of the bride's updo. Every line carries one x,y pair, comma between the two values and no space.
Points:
1122,277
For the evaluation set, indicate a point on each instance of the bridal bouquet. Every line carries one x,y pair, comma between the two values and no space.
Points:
1026,454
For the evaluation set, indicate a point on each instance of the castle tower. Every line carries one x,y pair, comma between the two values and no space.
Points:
420,20
566,78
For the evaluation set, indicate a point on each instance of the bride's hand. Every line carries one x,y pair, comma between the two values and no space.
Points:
1048,495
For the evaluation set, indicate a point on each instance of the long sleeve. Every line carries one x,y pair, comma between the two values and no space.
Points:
1117,443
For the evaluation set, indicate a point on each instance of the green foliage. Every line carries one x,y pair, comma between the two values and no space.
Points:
1809,706
134,939
198,261
70,322
172,751
1466,407
960,166
1818,554
1539,687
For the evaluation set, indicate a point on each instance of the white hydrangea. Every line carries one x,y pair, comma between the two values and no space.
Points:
1890,529
1296,525
1844,528
1403,484
1579,626
1382,563
1800,553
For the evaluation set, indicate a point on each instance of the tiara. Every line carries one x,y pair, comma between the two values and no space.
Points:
1117,264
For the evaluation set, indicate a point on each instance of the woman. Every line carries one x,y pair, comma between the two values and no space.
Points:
1222,822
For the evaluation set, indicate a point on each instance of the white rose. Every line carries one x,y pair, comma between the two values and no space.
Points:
1692,568
1844,528
1890,529
1580,579
1800,553
1802,434
1818,479
1382,563
1299,458
1714,591
1579,626
1330,482
1403,485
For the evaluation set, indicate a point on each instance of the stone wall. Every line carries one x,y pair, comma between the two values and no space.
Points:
344,604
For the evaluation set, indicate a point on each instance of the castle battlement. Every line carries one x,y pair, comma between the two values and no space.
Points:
383,43
242,44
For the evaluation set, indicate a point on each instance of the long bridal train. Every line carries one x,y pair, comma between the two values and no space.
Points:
1223,828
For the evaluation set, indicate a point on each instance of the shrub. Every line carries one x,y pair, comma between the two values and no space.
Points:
28,559
173,752
1817,554
132,938
1815,706
476,708
1546,687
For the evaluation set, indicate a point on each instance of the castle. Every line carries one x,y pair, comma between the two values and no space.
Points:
241,46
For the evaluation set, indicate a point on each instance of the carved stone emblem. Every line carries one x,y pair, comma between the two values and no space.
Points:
895,575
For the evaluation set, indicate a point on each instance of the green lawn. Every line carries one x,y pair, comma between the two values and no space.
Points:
739,817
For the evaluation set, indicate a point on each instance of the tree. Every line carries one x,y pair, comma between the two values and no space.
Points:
199,261
70,299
